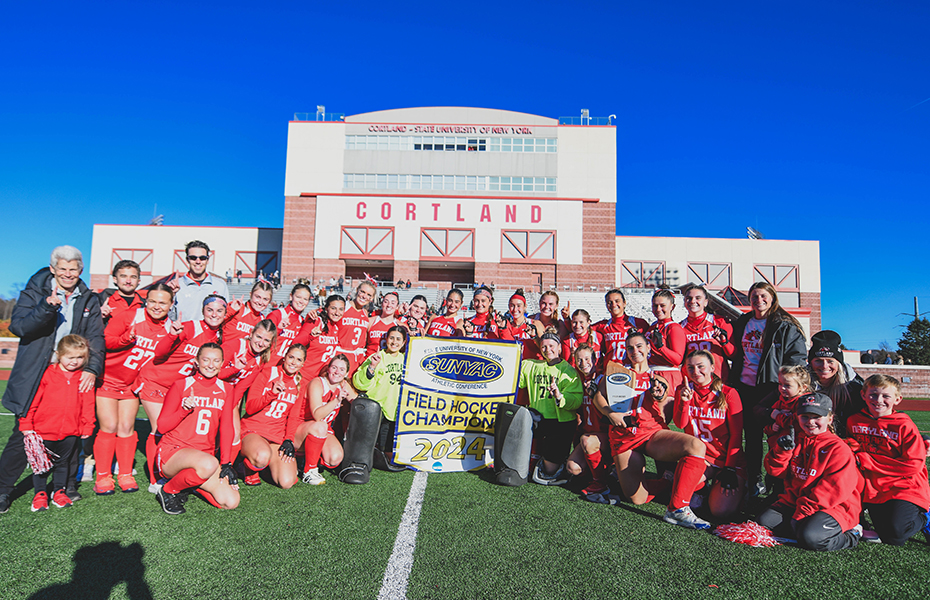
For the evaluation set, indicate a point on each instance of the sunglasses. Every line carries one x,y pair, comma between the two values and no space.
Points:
202,257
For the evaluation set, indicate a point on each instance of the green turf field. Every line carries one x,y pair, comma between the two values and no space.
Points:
475,540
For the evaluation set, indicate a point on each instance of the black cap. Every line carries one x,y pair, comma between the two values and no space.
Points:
816,403
825,344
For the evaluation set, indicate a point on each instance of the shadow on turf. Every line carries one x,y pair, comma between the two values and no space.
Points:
98,569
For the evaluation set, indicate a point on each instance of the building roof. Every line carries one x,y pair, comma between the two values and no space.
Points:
451,114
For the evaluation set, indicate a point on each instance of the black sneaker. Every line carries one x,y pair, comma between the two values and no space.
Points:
72,493
5,503
171,503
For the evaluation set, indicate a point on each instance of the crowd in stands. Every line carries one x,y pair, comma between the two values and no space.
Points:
736,416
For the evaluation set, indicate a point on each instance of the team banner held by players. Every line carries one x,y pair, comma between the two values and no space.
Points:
448,398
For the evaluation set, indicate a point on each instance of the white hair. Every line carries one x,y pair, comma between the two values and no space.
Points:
67,254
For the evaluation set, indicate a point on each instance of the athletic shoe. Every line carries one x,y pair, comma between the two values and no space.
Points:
127,483
170,503
684,517
40,502
555,479
4,503
926,527
253,478
73,494
870,536
61,499
104,485
602,498
313,477
758,489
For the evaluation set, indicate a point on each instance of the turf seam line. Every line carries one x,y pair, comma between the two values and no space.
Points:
394,585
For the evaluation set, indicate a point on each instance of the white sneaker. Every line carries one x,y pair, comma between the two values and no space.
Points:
88,473
556,478
684,517
313,477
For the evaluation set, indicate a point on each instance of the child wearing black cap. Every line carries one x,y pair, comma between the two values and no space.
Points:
821,502
831,375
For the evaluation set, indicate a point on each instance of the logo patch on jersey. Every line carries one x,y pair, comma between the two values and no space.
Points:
462,367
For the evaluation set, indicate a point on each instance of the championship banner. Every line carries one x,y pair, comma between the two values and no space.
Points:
448,398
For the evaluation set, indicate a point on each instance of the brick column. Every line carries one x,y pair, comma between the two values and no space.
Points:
298,238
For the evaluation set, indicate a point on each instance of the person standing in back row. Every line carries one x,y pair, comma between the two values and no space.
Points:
191,289
54,304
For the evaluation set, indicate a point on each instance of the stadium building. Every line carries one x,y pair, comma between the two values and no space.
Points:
449,195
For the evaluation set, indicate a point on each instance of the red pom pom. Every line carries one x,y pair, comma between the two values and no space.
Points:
749,533
36,453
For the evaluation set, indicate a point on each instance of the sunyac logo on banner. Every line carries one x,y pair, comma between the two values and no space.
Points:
455,367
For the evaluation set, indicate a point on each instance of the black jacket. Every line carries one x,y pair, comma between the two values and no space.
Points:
782,344
34,321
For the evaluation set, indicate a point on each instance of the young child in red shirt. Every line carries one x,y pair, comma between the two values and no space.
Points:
793,382
821,502
60,414
892,459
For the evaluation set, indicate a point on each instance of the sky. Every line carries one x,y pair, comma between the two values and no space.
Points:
802,119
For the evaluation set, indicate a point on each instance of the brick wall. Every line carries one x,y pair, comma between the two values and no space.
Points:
917,387
811,300
599,252
297,243
8,349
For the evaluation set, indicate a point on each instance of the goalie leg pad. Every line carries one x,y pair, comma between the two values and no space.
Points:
361,435
513,440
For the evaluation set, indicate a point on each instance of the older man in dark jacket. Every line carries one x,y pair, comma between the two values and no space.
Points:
55,303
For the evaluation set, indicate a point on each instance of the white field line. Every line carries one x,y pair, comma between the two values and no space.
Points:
394,585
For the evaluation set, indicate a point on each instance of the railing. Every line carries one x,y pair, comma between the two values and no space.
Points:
586,120
319,116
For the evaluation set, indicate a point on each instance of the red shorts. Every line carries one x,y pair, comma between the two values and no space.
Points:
151,392
164,454
271,439
117,391
624,438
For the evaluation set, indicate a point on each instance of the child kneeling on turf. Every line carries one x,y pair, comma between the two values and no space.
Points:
59,414
821,502
892,458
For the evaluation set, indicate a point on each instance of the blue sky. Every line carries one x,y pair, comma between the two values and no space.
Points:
797,118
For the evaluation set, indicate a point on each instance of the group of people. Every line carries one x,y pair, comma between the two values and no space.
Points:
234,390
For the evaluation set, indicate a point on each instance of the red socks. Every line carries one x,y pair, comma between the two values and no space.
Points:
209,498
234,451
248,465
187,478
313,447
688,475
150,448
125,452
104,449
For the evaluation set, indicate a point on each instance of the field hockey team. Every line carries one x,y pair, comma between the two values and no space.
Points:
234,393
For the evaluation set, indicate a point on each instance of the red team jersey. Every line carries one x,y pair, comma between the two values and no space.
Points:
175,355
572,342
444,326
353,334
287,333
647,420
525,334
242,378
721,430
118,304
376,332
613,334
485,327
699,335
330,393
321,348
892,458
241,323
126,356
592,421
197,428
273,415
